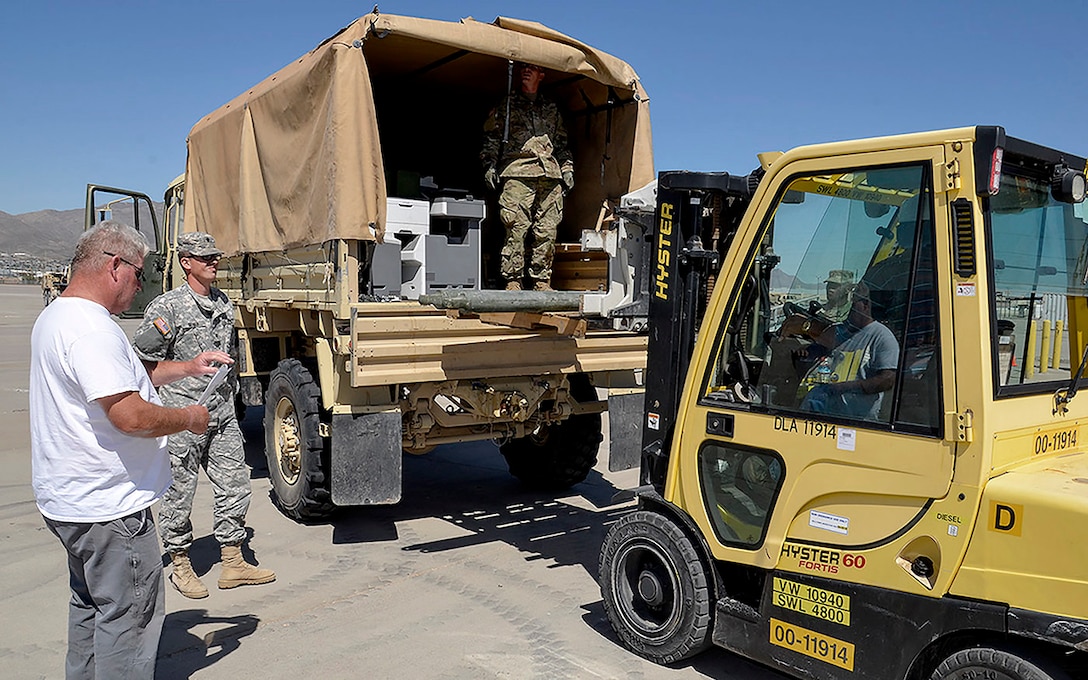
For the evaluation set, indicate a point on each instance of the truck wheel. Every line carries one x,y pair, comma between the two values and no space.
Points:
556,457
655,588
293,445
998,664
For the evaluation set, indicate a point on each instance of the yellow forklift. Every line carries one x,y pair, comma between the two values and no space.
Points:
861,448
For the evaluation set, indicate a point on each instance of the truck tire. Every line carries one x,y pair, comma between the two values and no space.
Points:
556,457
655,588
998,664
293,445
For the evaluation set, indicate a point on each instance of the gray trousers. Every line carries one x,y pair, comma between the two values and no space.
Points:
117,608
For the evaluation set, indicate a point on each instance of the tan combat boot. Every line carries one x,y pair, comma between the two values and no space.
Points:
542,286
237,572
513,285
184,578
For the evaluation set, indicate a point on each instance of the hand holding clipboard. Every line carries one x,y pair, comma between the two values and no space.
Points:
217,380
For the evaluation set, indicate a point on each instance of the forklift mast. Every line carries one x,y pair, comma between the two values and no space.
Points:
697,216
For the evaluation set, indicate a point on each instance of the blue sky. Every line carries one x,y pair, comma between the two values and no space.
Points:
106,92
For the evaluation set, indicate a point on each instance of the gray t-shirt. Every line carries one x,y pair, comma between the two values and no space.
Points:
869,351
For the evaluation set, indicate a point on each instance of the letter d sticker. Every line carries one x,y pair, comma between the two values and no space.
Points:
1006,518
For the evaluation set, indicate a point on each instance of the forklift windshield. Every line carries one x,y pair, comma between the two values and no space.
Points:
838,316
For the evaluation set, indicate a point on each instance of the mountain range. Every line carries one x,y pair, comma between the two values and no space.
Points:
49,234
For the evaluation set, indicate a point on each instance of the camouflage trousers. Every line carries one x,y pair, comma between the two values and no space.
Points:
219,451
531,210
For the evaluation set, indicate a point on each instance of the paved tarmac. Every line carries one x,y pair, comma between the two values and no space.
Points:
469,576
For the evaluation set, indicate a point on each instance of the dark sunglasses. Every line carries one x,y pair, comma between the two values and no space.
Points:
139,270
206,259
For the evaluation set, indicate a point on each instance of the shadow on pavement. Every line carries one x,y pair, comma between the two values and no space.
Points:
713,663
252,427
468,485
183,652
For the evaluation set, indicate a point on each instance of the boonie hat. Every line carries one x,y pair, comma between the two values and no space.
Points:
197,243
840,276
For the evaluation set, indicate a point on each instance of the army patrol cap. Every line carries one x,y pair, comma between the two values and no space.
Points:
840,276
198,244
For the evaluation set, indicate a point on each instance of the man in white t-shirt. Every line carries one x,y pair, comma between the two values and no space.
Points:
99,459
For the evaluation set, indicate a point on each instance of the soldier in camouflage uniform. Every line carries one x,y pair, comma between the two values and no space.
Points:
178,325
839,287
525,148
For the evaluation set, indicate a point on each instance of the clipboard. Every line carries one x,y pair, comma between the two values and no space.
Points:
218,379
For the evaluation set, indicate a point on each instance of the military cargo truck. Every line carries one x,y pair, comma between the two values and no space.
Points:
53,284
347,193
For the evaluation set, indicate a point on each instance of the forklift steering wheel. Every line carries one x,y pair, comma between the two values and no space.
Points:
793,309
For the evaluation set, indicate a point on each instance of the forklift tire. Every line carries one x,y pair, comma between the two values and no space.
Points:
556,457
987,662
655,588
293,446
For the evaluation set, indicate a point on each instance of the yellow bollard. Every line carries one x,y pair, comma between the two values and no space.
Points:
1029,365
1044,351
1059,326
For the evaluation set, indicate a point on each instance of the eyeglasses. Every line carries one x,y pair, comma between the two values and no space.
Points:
206,259
139,270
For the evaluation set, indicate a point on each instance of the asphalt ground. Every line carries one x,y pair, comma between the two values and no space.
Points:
469,576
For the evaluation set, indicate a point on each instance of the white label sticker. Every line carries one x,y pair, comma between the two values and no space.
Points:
828,522
846,439
953,530
653,421
965,289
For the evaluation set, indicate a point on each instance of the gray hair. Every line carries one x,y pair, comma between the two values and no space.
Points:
109,237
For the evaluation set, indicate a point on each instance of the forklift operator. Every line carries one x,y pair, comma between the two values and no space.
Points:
857,364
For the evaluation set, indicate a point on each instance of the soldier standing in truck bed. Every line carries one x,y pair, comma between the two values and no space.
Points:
525,149
178,325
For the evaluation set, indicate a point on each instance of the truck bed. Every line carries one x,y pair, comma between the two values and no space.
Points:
409,342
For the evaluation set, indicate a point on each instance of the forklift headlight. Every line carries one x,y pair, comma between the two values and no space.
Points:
1068,186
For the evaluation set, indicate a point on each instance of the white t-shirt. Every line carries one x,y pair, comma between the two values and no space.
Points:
83,468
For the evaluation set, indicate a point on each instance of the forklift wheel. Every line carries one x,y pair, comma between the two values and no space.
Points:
655,588
986,662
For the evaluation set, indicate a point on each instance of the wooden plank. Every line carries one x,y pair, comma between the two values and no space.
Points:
576,269
564,325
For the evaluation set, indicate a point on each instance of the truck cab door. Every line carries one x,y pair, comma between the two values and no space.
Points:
814,409
138,211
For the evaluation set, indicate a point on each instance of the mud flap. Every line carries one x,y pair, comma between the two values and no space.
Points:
624,430
365,462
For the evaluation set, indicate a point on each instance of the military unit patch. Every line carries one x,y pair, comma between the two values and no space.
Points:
161,325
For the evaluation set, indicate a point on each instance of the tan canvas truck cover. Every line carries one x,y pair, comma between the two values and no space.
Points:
306,156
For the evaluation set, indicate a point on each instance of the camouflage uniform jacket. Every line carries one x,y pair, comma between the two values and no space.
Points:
177,326
537,146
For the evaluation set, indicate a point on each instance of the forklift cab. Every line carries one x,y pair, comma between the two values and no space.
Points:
822,451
